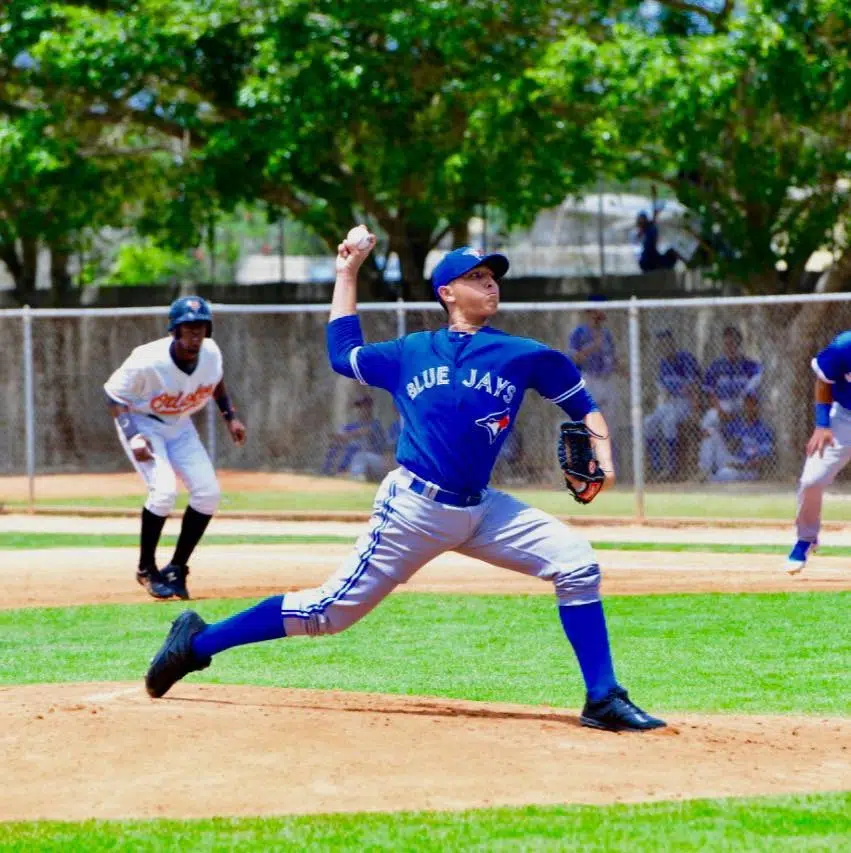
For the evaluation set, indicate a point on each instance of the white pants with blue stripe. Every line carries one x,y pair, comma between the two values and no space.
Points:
408,529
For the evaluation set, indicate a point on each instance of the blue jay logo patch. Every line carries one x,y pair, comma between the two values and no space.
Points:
495,424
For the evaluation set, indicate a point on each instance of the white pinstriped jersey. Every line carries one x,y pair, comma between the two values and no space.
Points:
150,383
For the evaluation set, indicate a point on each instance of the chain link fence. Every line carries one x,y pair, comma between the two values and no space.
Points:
699,393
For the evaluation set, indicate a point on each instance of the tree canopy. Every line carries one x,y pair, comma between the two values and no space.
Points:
749,127
411,118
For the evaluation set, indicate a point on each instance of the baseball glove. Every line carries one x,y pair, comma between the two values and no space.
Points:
582,473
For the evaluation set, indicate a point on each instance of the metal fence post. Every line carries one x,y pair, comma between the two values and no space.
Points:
210,414
29,404
401,324
635,407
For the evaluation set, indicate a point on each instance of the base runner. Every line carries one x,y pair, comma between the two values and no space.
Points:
152,397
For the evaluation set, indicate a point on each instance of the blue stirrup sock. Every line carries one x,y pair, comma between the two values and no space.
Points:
585,628
261,622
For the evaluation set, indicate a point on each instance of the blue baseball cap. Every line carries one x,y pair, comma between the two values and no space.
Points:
460,261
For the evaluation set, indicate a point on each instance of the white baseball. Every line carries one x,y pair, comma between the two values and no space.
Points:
358,237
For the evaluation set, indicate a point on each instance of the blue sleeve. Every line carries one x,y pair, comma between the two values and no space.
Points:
693,367
556,378
831,364
668,378
577,339
766,442
370,364
711,376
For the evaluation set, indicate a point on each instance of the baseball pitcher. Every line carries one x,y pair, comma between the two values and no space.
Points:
458,392
152,397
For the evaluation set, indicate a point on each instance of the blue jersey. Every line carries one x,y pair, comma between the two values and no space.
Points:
677,373
749,440
600,363
370,436
833,365
729,380
458,393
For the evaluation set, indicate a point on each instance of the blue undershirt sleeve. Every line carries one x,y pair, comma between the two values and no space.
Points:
371,364
556,378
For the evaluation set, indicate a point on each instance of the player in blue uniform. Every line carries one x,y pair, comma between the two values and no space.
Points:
731,375
678,379
828,448
458,391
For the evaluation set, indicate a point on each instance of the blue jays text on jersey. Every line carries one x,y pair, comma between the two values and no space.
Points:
833,365
458,393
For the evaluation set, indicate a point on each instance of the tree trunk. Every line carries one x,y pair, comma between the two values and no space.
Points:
22,266
60,278
412,246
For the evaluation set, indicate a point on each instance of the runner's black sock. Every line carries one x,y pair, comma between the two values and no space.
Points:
191,530
152,527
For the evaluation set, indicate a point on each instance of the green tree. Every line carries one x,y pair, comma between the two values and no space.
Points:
336,111
146,263
747,121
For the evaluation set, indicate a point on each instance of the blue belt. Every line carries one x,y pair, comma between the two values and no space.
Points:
421,487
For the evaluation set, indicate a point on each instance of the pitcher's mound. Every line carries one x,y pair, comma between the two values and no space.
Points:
80,751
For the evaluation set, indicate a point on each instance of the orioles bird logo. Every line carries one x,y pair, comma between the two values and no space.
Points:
495,424
194,304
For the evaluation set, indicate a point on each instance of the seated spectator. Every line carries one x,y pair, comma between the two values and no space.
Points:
361,447
649,256
591,347
678,383
731,376
735,446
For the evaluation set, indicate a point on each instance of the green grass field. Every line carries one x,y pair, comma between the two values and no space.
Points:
720,652
11,540
747,653
812,823
620,502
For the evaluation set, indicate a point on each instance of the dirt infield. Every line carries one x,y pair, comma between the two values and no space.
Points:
107,751
58,577
57,486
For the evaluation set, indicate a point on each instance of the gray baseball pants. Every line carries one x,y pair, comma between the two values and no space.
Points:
408,529
819,472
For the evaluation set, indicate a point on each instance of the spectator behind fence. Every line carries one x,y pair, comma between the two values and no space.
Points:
591,346
649,256
731,376
678,383
362,447
736,446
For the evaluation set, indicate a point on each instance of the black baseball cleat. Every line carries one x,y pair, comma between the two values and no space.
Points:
175,658
174,577
616,713
150,578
